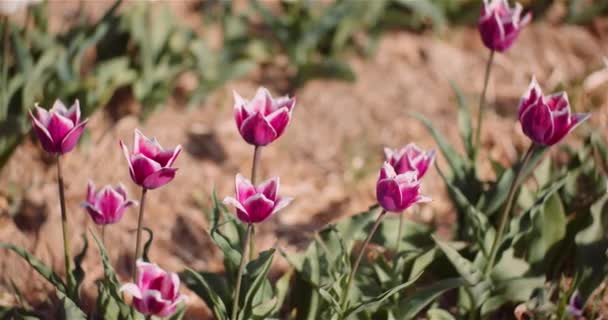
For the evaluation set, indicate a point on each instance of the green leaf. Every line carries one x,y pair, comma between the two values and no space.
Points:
148,244
78,272
511,291
69,308
549,228
464,122
196,282
256,276
38,265
464,267
439,314
417,301
375,302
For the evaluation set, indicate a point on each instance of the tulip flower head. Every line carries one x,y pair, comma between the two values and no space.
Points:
397,192
547,119
108,205
410,158
257,203
156,291
150,164
499,24
59,128
576,305
263,119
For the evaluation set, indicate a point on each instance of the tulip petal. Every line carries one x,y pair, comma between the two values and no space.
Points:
159,178
59,107
108,201
281,203
389,195
42,115
244,188
143,145
166,158
235,203
58,127
147,272
131,289
261,102
573,121
91,191
143,167
387,171
120,188
125,152
284,102
537,124
71,138
43,135
258,207
257,131
279,120
151,303
269,188
74,112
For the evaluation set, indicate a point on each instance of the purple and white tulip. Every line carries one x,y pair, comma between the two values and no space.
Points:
156,292
257,203
59,128
397,192
410,158
263,119
150,164
499,24
547,119
576,305
108,205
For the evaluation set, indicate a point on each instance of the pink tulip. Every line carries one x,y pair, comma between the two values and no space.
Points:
397,192
59,128
108,205
156,291
499,24
257,203
150,164
547,119
263,119
410,158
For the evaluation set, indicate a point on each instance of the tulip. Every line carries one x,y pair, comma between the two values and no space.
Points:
156,291
499,24
150,164
108,205
397,192
59,128
547,119
410,158
257,203
576,305
263,119
10,7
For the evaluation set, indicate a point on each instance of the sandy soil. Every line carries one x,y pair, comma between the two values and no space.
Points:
328,158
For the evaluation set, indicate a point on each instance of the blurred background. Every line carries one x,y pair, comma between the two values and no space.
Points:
357,68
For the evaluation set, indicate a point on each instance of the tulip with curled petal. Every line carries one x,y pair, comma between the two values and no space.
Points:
257,203
499,24
150,164
410,158
547,119
397,192
59,128
156,291
107,206
263,119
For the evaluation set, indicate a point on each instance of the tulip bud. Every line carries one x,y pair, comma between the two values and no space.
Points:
257,203
156,292
263,119
547,119
108,205
150,164
410,158
59,128
499,25
397,192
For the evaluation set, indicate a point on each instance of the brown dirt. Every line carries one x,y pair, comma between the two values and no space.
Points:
328,158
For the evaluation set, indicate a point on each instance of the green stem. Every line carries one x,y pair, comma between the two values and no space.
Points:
140,221
239,277
399,233
103,235
351,276
506,212
482,101
254,170
64,226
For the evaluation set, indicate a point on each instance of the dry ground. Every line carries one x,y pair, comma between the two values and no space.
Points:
328,158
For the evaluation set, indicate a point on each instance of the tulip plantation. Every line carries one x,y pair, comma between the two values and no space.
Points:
472,179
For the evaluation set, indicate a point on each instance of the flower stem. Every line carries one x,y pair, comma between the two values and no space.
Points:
482,101
239,278
103,235
64,226
140,221
506,212
399,234
351,276
257,151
